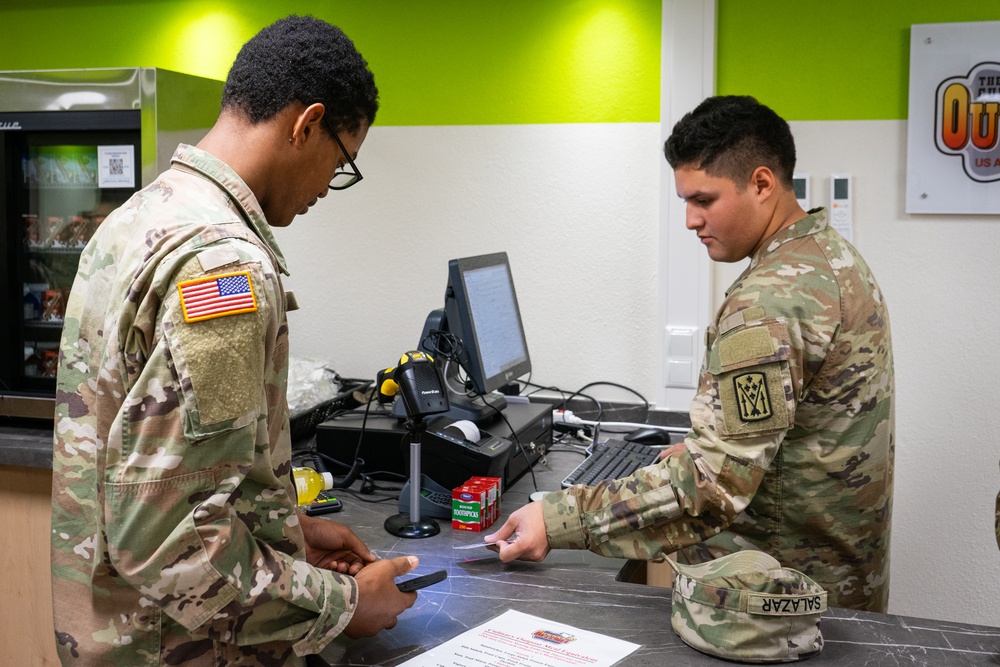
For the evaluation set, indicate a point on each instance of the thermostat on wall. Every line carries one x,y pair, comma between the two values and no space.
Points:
841,198
800,183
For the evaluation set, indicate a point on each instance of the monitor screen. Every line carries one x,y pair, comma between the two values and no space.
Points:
481,311
494,338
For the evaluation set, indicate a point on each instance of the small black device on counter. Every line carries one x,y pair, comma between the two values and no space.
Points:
423,581
325,503
649,435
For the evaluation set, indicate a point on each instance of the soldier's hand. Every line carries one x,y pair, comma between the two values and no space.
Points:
334,546
672,449
379,601
523,535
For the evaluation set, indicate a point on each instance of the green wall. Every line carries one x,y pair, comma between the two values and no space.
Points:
829,60
437,62
468,62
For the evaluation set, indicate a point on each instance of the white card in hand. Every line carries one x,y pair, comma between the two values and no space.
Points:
476,545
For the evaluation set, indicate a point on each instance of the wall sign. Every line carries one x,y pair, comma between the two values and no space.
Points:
953,140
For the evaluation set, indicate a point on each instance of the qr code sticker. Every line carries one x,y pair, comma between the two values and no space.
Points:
116,166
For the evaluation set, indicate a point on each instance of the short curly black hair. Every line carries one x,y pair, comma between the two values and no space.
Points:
730,136
307,60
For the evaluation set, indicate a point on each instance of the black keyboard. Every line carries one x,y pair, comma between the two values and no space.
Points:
611,460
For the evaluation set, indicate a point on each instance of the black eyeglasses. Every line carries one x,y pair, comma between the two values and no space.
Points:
343,178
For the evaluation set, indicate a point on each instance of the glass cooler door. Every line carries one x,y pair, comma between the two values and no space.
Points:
59,188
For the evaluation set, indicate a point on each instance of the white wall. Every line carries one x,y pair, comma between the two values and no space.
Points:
574,206
939,275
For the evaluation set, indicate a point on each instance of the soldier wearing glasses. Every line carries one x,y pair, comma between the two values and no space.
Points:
176,538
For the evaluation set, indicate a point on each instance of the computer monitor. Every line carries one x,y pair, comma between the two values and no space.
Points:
481,311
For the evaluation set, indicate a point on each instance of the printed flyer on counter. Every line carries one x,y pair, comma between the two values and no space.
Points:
513,639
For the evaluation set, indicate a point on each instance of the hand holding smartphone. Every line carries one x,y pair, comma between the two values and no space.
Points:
423,581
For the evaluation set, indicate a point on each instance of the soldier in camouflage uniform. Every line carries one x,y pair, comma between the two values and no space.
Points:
175,534
791,446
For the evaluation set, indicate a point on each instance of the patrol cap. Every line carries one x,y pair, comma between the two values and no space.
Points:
746,607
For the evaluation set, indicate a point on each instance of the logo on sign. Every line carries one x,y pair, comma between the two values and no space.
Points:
553,637
967,110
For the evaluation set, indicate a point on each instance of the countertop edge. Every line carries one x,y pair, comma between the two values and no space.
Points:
25,446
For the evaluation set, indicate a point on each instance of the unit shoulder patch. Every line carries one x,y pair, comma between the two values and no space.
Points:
752,400
216,296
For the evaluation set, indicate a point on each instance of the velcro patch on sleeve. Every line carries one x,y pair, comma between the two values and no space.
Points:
291,303
746,345
217,296
740,318
753,314
217,257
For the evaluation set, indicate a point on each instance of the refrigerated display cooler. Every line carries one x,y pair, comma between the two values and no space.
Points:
74,145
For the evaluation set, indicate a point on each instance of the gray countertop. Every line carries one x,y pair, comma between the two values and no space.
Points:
583,590
29,446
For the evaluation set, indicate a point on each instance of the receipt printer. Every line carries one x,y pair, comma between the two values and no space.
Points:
450,457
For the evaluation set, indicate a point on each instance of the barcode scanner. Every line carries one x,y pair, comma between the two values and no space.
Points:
418,382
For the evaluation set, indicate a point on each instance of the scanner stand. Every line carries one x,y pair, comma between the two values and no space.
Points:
435,500
412,524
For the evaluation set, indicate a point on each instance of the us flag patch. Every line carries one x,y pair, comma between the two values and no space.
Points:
216,296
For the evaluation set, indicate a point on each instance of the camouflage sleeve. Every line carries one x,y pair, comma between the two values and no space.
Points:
655,511
744,406
199,519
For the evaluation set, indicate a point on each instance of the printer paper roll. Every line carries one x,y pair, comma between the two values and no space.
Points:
469,430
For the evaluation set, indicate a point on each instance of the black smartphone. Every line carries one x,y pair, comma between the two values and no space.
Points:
324,504
422,581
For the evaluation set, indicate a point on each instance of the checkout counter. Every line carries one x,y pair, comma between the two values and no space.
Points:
576,588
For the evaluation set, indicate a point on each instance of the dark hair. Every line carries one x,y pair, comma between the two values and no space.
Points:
302,59
730,136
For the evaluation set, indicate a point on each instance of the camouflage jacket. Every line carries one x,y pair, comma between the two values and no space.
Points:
175,536
791,447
